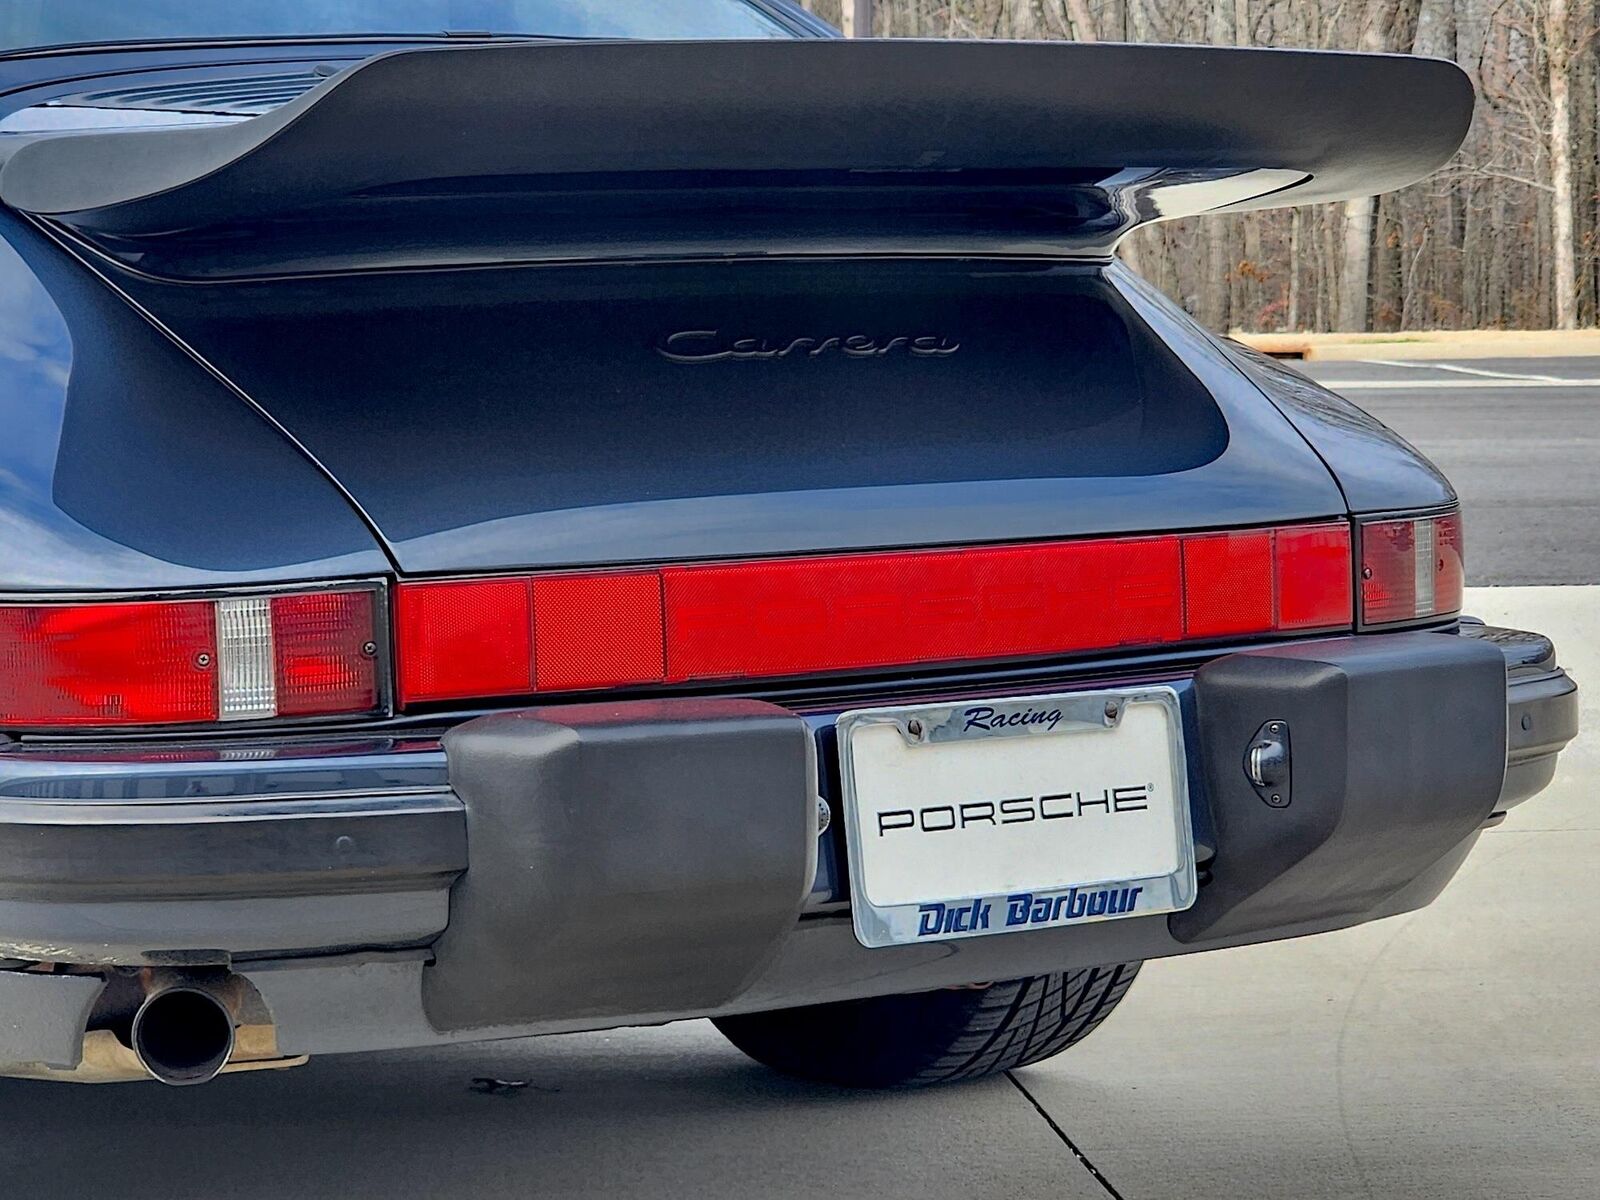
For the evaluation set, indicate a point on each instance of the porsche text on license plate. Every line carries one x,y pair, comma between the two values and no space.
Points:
994,816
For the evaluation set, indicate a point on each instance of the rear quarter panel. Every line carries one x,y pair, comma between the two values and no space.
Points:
1377,468
124,465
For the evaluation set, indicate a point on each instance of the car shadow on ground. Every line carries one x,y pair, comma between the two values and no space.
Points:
659,1112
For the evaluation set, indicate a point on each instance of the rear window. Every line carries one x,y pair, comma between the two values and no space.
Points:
35,23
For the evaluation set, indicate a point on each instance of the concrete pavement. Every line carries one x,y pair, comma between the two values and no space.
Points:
650,1113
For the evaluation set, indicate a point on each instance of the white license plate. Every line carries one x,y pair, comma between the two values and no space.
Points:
996,816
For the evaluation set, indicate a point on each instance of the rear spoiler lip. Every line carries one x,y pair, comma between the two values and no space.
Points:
1325,124
687,227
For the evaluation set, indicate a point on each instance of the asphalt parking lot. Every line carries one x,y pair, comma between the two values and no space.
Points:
1451,1053
1519,438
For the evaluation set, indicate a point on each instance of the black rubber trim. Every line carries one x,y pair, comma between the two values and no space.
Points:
1523,650
1542,720
1399,758
76,851
626,858
1542,708
1544,716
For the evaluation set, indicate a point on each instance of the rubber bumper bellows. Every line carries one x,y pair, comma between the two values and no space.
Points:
643,857
1399,753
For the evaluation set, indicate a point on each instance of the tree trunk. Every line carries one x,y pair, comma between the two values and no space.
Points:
1558,35
1024,19
1217,231
856,19
1327,317
1506,235
1356,257
1586,172
1292,317
1138,21
1357,262
1082,20
1128,249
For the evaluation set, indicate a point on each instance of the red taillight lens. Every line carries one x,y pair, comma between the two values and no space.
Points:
325,653
1267,580
1411,569
107,664
473,638
1313,575
189,661
786,617
796,616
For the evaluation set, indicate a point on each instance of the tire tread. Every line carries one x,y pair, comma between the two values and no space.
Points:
934,1037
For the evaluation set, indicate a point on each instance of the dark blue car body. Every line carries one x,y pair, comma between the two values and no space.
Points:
293,313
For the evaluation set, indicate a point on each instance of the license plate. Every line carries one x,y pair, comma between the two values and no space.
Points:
997,816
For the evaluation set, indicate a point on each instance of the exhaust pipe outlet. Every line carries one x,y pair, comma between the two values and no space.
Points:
183,1035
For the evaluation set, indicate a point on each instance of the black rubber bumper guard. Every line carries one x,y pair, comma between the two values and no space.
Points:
1338,772
1542,709
652,856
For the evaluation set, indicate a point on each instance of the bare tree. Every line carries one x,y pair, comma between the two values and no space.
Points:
856,18
1082,27
1383,25
1506,235
1558,37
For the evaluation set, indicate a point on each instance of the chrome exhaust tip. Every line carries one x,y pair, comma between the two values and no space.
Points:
183,1035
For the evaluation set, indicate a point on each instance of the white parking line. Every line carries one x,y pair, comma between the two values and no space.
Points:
1451,385
1444,366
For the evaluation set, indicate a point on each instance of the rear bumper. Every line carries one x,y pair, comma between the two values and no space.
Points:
142,857
1542,709
692,879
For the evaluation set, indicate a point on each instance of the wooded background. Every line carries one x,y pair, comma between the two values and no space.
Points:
1506,236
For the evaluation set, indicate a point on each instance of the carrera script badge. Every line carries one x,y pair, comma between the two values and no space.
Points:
711,346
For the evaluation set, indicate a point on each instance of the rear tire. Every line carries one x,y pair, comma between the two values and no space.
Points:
932,1037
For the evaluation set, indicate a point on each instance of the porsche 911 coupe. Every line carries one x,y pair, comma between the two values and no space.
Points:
520,516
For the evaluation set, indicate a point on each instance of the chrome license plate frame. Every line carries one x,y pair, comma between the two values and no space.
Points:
996,876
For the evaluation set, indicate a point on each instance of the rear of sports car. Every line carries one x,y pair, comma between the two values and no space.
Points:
516,538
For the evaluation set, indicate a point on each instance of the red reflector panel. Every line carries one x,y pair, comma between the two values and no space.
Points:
107,664
1411,570
464,639
325,653
1313,577
795,616
770,618
1226,584
594,631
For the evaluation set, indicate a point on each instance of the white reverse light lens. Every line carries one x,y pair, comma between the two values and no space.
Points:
246,673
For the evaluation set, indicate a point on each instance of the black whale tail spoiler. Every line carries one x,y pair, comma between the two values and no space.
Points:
585,149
